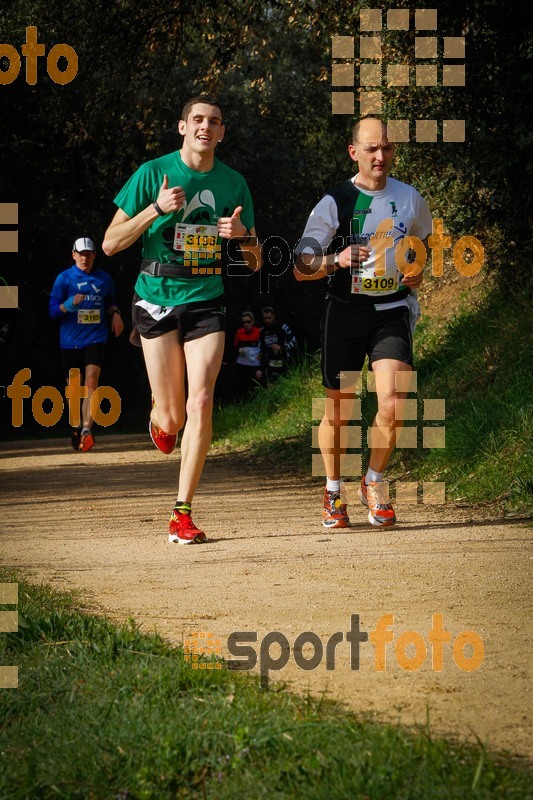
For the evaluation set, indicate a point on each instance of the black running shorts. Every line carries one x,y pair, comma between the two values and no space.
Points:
80,357
191,321
351,333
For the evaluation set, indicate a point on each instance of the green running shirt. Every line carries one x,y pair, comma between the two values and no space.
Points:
210,195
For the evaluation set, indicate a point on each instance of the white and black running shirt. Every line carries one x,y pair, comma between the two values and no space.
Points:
349,215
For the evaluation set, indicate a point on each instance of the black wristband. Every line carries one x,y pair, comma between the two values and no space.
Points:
159,209
116,311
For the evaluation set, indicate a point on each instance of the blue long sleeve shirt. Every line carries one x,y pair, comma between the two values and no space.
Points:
88,323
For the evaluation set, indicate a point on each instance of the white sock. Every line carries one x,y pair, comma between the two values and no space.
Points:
371,475
333,486
85,431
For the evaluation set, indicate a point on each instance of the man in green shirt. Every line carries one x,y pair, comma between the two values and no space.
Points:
186,206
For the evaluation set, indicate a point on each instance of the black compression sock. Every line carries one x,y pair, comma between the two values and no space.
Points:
184,508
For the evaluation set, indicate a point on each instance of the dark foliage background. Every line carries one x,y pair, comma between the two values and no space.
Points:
66,150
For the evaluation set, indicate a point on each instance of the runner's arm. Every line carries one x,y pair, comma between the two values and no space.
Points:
310,267
57,296
115,314
311,262
251,251
125,230
233,228
414,281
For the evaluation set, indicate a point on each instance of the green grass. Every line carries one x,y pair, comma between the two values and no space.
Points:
103,711
480,364
276,422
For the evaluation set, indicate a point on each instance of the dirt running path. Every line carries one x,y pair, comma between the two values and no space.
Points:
97,521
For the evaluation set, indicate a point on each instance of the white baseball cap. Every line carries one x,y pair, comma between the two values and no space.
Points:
83,244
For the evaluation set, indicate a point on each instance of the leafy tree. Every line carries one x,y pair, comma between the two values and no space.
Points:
66,150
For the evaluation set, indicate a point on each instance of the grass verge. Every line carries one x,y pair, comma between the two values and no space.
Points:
274,423
480,364
103,711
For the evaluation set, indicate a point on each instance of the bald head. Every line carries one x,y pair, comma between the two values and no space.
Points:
370,129
373,152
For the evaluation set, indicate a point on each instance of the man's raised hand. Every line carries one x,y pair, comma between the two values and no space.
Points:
232,227
172,199
353,255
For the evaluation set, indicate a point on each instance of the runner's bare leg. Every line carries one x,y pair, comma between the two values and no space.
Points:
204,358
390,403
165,365
339,406
92,374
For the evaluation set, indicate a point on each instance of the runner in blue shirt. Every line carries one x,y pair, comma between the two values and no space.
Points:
81,298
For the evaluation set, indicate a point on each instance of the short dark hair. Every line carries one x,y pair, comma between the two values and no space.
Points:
208,99
267,310
355,130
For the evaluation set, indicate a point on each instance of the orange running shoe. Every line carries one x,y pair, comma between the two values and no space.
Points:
375,496
86,442
166,442
334,513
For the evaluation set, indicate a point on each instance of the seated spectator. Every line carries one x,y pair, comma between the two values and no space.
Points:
246,344
278,346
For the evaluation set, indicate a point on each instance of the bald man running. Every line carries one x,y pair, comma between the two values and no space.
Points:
368,311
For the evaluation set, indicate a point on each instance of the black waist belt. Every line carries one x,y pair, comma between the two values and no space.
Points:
156,268
367,300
